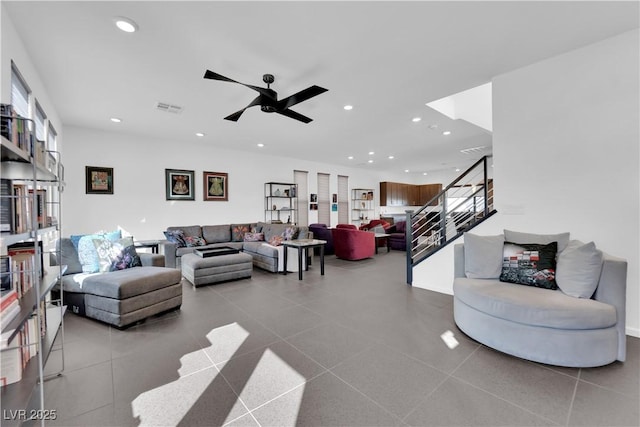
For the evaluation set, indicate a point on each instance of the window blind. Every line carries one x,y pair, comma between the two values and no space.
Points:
19,94
343,199
40,121
300,178
52,142
324,200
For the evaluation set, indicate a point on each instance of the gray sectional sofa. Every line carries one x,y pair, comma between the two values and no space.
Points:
264,256
543,325
123,297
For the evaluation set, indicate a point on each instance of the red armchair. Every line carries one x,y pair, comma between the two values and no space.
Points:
352,244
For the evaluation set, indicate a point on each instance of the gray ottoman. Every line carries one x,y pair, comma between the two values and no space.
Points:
205,271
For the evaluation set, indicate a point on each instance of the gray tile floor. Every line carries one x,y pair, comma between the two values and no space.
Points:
356,347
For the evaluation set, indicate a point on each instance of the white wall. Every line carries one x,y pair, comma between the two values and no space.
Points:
566,154
139,203
12,48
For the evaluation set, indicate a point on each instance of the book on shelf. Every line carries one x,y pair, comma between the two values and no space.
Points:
41,205
11,361
7,298
9,313
6,282
21,208
6,206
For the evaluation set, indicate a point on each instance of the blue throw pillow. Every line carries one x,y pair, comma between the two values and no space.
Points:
87,253
116,254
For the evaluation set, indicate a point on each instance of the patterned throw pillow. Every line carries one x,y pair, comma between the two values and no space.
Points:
191,241
253,237
116,255
87,252
529,264
238,231
289,233
276,241
176,236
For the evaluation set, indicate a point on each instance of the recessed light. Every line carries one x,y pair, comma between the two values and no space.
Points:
371,153
406,170
391,157
350,157
370,161
115,120
200,134
416,119
457,169
125,24
424,173
348,107
446,132
260,145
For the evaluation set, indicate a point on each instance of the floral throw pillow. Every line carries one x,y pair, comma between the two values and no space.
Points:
191,241
253,237
276,240
289,233
116,254
176,236
238,231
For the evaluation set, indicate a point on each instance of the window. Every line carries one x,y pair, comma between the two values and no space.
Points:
343,199
19,93
40,119
324,200
300,178
52,139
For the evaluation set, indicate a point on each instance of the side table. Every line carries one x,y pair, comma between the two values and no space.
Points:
303,246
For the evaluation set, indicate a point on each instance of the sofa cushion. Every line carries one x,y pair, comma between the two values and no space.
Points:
483,256
578,269
116,254
533,306
217,233
238,231
271,230
69,256
130,282
188,230
542,239
530,264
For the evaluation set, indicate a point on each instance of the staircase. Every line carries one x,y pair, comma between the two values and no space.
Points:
459,207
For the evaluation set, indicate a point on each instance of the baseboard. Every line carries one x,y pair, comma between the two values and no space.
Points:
634,332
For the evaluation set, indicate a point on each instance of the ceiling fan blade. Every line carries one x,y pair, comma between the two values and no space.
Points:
235,116
303,95
215,76
292,114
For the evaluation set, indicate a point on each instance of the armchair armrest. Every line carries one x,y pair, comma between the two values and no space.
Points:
612,289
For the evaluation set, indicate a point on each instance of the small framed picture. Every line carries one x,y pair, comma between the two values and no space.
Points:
99,180
179,184
215,186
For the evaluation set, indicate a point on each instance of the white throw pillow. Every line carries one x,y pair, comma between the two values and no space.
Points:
483,256
578,269
541,239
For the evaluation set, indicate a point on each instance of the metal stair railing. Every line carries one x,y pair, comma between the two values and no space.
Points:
463,204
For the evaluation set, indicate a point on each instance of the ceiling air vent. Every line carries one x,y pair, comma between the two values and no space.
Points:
473,150
169,108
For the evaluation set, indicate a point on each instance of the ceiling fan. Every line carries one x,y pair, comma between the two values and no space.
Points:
268,98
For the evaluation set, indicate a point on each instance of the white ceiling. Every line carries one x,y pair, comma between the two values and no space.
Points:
386,58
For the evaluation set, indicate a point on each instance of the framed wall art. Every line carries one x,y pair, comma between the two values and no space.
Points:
99,180
215,186
179,184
